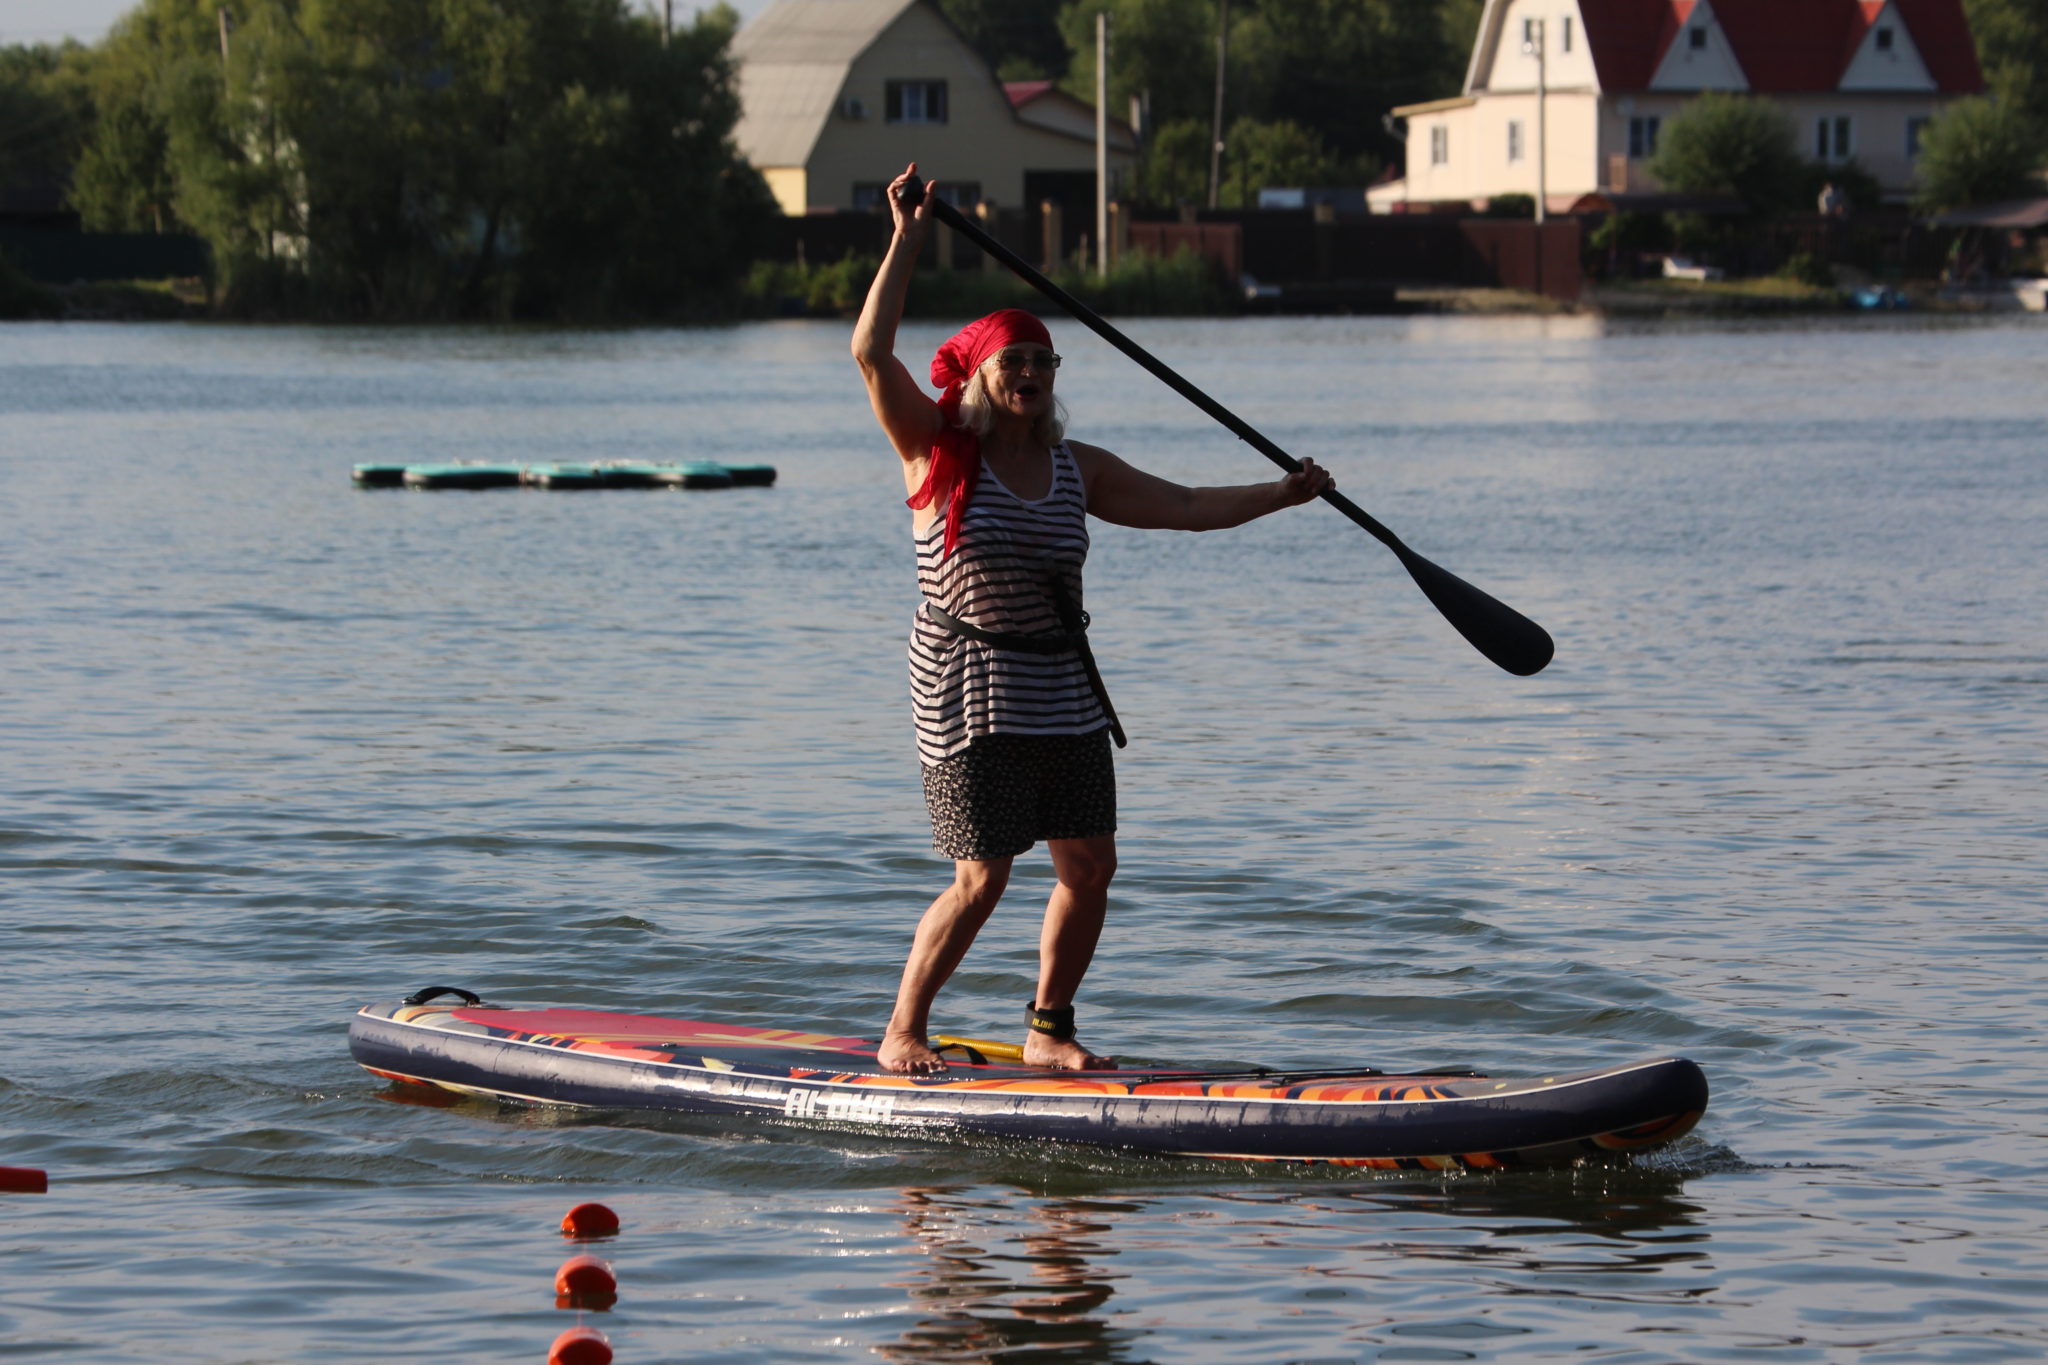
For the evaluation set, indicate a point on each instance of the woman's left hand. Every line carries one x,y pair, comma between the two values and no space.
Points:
1305,484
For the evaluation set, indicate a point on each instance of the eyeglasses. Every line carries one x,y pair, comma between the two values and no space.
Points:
1012,361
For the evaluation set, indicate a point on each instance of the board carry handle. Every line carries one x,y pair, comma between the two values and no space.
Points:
980,1051
432,992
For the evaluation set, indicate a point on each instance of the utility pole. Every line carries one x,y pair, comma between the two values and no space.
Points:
668,20
1533,44
1216,123
226,26
1102,142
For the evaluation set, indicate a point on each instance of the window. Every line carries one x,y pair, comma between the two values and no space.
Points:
867,195
1884,40
917,101
1439,145
1528,35
1564,34
1514,139
1697,37
1833,138
1642,137
1916,128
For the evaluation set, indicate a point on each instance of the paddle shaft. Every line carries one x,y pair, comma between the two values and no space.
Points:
1095,323
1505,636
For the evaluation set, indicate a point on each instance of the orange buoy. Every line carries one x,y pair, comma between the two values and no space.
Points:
581,1346
29,1180
589,1220
585,1277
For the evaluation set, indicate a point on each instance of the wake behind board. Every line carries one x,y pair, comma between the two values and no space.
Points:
1356,1117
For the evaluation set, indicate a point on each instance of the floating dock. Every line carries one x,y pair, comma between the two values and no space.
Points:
567,476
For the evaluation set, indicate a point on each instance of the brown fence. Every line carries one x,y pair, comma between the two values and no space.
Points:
1274,246
1286,247
1891,243
823,238
1222,243
1520,255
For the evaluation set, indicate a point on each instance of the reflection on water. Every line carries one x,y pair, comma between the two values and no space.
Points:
998,1278
1024,1275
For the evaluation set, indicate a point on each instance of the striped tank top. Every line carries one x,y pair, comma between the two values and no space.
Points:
997,579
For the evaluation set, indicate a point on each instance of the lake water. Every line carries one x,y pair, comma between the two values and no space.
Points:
272,747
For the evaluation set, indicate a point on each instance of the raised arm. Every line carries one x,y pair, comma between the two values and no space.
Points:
906,413
1122,493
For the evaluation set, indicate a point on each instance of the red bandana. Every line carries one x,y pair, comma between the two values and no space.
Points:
956,453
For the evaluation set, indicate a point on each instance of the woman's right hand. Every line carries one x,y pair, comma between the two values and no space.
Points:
905,411
910,223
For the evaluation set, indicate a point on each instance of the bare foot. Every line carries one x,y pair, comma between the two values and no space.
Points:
908,1054
1062,1054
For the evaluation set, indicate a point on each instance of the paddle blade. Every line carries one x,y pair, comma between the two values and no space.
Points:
1495,629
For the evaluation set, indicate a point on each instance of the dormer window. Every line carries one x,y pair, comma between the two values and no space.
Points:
1697,36
1884,39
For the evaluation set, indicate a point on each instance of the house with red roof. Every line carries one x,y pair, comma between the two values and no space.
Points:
1573,95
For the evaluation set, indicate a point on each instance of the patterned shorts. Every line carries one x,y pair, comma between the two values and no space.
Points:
1003,793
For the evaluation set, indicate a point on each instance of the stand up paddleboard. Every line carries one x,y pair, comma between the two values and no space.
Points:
1353,1117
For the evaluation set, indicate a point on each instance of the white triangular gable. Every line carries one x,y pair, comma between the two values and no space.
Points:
1502,62
1700,56
1886,58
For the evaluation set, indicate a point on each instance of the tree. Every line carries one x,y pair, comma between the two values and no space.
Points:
1977,151
1163,50
2012,46
1337,66
1175,169
1020,39
1261,153
45,113
1330,67
409,158
1731,144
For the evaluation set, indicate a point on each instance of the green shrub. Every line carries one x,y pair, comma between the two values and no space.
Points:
828,290
1627,231
1732,144
1807,268
1185,284
1977,152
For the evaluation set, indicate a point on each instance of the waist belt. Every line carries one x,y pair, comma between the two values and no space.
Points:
1074,639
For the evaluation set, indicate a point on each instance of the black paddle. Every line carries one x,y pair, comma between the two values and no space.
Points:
1495,629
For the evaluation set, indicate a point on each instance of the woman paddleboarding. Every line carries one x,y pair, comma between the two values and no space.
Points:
1013,723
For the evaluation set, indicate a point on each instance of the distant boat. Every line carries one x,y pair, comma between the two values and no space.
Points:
1878,296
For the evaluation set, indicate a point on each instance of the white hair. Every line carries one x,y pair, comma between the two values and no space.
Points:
978,415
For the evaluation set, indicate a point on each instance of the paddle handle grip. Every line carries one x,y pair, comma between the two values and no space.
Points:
913,193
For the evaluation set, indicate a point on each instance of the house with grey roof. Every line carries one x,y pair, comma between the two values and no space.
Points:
838,95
